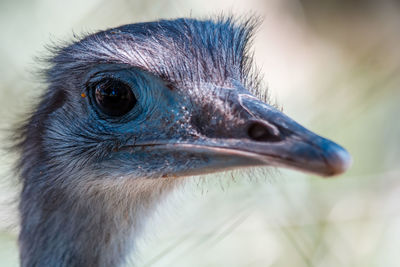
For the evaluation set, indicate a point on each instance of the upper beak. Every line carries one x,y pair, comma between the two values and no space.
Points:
275,139
269,137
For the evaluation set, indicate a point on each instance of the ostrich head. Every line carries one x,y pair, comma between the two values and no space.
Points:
129,109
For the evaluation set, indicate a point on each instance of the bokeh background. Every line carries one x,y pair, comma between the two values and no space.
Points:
332,65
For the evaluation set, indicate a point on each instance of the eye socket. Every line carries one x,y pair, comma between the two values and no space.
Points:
113,97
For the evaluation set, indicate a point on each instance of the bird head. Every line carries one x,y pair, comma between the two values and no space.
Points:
166,99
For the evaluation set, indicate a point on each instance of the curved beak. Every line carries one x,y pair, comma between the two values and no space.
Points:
277,140
267,137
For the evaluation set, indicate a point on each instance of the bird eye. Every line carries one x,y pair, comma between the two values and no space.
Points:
113,97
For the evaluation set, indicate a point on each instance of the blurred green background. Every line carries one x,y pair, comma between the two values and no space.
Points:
332,65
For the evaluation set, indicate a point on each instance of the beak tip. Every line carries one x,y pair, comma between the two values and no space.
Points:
338,160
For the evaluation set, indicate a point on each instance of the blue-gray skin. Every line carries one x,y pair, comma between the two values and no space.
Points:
90,179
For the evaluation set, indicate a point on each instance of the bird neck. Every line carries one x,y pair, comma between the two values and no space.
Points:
88,224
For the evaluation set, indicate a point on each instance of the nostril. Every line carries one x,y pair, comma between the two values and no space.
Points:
263,133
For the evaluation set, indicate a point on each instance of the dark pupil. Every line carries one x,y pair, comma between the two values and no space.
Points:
113,97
